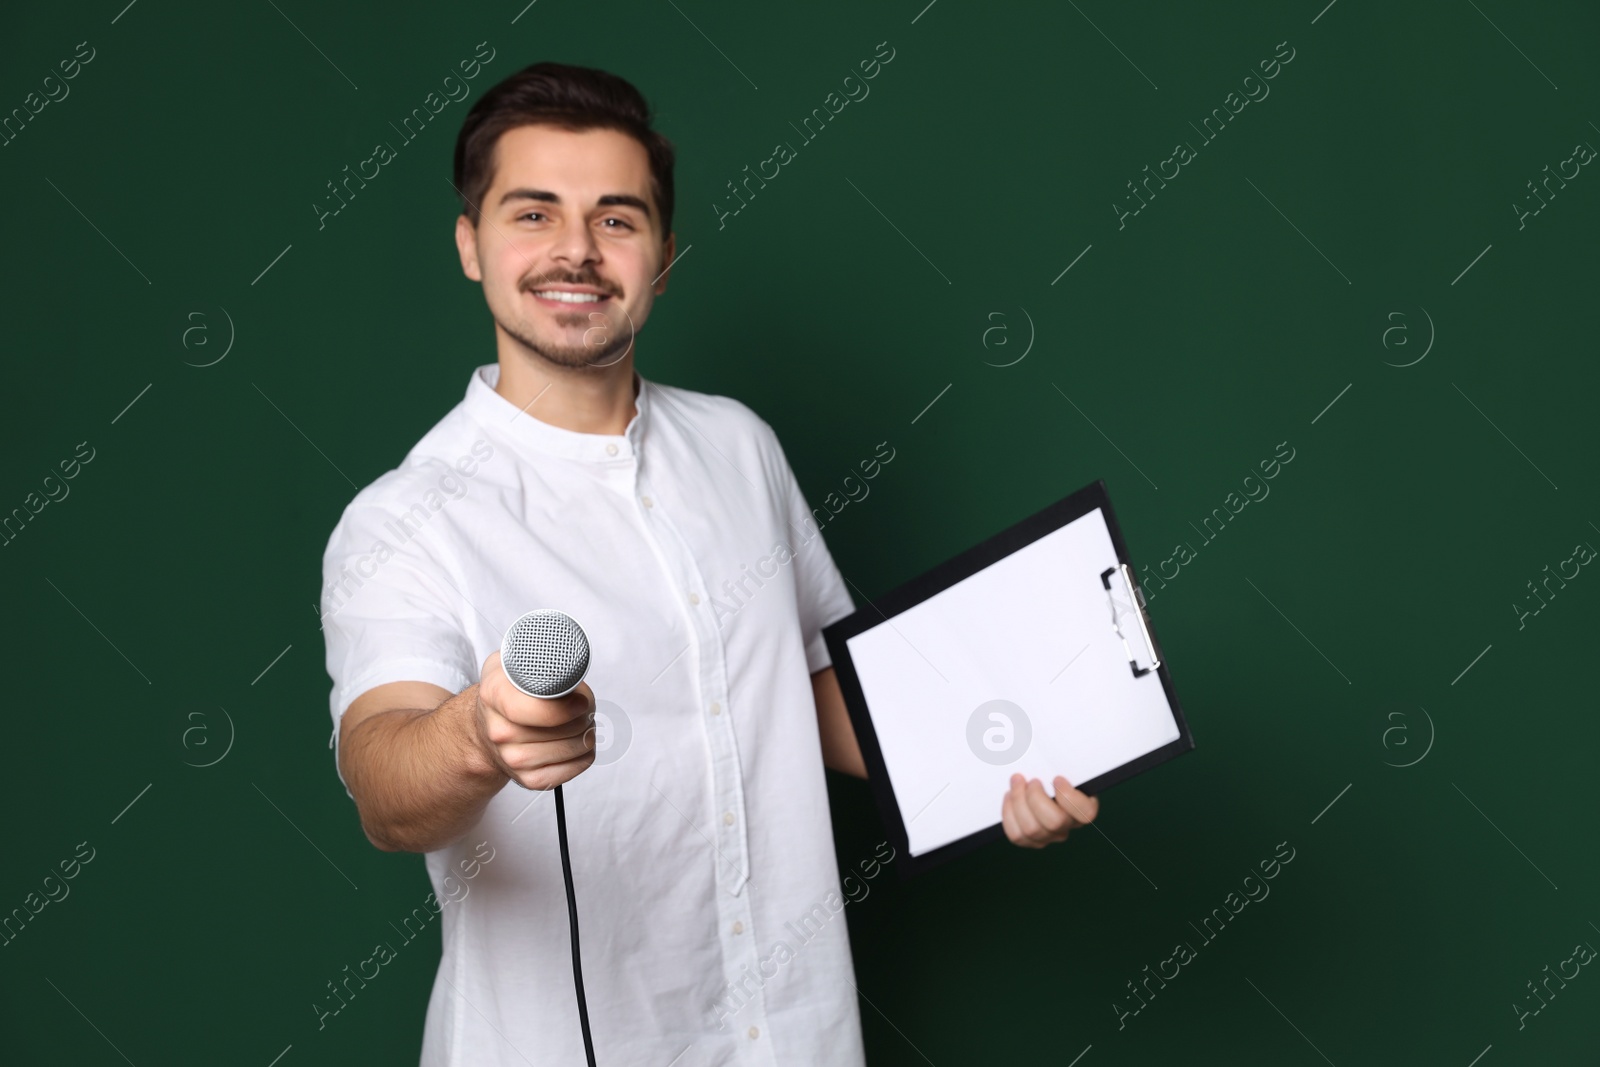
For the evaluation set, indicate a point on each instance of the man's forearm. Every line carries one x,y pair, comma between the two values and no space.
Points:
419,777
841,750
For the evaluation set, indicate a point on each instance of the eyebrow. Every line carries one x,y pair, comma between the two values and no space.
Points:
609,200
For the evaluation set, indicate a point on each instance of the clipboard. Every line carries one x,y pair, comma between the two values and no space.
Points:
1031,653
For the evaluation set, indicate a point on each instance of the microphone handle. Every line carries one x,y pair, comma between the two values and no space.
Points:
572,921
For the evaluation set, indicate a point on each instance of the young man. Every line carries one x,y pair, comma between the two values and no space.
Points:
669,524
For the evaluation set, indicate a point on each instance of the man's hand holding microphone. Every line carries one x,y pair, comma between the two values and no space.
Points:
537,742
423,763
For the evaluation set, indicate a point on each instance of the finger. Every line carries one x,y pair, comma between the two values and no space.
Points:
1008,819
528,757
1081,806
1053,819
552,775
525,710
516,706
1027,821
502,731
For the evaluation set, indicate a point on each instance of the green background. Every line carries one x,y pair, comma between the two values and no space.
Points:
1222,320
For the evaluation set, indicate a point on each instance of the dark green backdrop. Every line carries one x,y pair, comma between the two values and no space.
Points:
1320,641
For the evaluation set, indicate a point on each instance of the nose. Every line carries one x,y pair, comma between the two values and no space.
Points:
574,244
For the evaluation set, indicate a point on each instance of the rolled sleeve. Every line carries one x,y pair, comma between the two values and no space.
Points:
821,593
389,614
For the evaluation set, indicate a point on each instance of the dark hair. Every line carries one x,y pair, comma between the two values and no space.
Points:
555,94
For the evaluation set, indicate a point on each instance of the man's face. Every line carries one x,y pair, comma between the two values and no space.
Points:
568,243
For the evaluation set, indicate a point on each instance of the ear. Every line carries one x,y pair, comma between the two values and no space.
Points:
467,247
668,251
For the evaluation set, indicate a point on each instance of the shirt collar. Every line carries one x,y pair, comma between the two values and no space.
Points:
498,414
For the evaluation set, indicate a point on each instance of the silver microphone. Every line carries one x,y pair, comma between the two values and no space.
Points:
545,654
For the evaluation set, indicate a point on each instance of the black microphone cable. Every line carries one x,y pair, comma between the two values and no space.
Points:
572,922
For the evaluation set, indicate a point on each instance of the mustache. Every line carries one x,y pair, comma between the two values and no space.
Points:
542,280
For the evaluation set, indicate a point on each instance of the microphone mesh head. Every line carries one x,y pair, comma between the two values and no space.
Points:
545,654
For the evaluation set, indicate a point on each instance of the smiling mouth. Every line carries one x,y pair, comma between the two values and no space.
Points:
571,299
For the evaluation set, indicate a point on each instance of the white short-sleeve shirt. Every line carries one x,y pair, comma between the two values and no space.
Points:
708,894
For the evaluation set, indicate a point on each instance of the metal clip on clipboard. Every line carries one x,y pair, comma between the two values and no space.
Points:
1127,606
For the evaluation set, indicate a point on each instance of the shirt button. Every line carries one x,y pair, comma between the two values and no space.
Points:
646,501
754,1033
738,927
727,818
611,450
716,708
694,598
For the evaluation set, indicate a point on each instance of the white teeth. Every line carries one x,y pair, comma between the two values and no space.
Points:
569,298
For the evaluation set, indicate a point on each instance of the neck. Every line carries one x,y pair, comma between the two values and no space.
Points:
596,400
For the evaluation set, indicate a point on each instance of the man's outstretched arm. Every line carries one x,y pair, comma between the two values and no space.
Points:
423,763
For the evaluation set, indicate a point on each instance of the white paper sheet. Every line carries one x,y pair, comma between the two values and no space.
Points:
1007,634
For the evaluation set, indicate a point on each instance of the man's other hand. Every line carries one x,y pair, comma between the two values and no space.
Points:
1034,819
